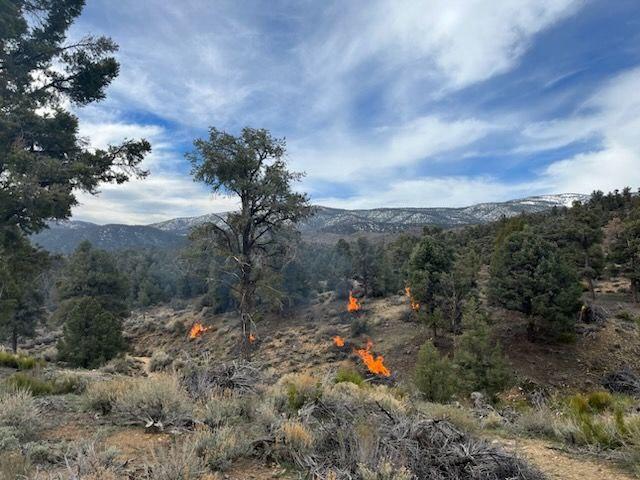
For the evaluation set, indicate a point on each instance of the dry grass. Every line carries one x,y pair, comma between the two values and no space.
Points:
18,410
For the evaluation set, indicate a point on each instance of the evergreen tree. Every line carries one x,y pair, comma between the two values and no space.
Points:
92,295
580,234
251,167
458,285
435,376
91,334
21,292
626,251
430,261
479,361
341,269
44,160
365,264
93,273
529,276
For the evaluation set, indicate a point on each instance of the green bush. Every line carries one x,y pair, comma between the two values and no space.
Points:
60,385
346,374
19,361
434,374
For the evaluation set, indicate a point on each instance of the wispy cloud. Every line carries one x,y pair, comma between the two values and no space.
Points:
383,103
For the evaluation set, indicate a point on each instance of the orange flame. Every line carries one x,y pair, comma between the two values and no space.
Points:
374,364
251,338
197,330
353,305
338,341
415,306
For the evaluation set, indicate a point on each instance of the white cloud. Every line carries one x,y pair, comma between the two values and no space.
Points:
166,193
151,200
612,115
342,158
446,191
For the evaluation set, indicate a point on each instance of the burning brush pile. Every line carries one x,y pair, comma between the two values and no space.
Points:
373,363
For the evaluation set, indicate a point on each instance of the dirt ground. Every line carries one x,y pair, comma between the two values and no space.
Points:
561,465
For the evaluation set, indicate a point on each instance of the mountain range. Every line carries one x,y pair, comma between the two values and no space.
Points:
63,237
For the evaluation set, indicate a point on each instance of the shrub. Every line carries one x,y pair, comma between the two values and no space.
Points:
19,361
457,416
14,465
9,438
160,360
434,374
157,401
123,365
18,409
299,389
101,396
600,401
296,436
385,471
219,447
359,326
538,422
228,408
625,316
175,462
348,374
94,462
60,385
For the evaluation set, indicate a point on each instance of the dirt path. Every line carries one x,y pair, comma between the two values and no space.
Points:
558,465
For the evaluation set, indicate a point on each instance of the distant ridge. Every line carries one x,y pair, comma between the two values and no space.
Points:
63,237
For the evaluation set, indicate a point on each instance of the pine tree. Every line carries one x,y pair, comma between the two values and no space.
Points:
435,377
580,236
365,264
91,334
92,295
431,259
529,276
44,162
21,298
626,251
93,273
252,168
479,361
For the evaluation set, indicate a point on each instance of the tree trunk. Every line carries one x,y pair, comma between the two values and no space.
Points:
587,269
14,340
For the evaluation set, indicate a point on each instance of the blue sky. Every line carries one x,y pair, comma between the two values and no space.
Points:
383,103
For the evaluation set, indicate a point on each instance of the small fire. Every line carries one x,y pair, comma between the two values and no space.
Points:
354,305
338,341
197,330
374,364
415,306
251,338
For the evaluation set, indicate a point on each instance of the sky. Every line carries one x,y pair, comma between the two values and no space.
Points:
390,103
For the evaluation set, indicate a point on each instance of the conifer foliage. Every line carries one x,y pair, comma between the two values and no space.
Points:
92,295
